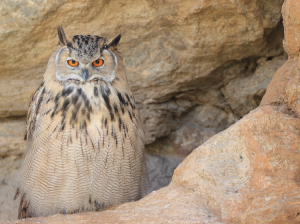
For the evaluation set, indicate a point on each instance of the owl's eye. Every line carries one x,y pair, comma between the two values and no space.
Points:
98,63
73,63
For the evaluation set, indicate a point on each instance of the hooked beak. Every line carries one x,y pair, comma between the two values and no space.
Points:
85,74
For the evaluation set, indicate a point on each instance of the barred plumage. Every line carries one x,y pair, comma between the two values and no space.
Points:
84,134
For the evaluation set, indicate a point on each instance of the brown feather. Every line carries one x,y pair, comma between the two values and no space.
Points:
62,36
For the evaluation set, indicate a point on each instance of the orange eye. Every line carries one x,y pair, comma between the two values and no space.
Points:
98,63
73,63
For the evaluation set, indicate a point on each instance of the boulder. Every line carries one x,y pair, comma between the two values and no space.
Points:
169,48
183,59
248,173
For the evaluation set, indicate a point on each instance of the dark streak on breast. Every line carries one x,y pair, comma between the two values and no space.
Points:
120,124
105,95
65,105
130,116
58,95
116,108
75,98
67,91
121,98
96,93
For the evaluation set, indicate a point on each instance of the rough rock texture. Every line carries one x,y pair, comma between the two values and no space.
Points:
195,68
12,137
169,47
212,114
249,173
9,167
291,42
174,204
245,93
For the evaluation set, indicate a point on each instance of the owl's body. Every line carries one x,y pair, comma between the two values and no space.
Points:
84,135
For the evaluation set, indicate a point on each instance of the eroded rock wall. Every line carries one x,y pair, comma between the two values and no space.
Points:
195,67
171,49
248,173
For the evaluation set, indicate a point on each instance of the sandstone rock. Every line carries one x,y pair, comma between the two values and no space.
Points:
12,137
197,127
160,119
9,167
243,172
290,11
201,115
248,173
160,170
169,47
175,204
226,181
183,61
245,93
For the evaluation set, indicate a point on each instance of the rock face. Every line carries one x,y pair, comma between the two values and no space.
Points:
248,173
169,48
12,137
218,109
195,68
9,167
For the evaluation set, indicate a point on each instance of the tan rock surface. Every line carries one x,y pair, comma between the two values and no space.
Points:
183,61
248,173
9,167
12,137
245,93
168,47
290,11
177,205
212,112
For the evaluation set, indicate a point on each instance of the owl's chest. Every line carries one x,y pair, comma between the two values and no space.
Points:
93,117
83,141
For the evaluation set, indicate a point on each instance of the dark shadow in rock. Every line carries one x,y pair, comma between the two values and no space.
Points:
160,170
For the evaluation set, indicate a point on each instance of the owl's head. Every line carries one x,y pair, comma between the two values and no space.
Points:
85,58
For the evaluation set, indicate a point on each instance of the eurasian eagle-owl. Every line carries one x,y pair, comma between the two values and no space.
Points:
84,136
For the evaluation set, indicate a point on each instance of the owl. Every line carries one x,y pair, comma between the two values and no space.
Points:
84,134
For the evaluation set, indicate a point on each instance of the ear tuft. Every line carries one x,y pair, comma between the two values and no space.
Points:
62,36
115,41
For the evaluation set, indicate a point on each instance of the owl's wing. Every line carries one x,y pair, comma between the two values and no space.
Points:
33,110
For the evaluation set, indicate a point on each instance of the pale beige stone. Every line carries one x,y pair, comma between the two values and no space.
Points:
245,93
248,173
9,167
169,47
12,137
181,57
243,172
